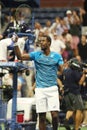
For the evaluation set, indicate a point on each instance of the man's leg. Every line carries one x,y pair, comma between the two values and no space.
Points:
84,123
42,121
78,119
55,120
68,115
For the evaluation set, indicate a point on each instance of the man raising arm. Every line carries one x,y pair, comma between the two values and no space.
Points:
47,64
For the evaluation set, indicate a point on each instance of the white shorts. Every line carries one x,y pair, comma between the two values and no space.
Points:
47,99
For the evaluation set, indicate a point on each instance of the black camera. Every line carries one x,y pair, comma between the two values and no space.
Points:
75,64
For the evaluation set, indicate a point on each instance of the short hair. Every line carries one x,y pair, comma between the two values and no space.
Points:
48,38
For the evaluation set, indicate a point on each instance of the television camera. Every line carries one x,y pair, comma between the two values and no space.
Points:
75,64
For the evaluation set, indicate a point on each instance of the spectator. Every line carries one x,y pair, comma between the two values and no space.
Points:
13,26
68,18
75,31
82,49
37,44
68,52
37,29
22,85
57,45
61,27
7,46
83,18
56,23
48,26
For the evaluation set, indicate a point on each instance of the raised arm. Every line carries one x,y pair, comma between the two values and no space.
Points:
19,55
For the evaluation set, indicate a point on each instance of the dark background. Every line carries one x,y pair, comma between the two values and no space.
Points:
16,3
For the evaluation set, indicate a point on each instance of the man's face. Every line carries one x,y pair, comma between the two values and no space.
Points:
44,43
83,39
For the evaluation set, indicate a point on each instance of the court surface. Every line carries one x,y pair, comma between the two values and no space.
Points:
82,128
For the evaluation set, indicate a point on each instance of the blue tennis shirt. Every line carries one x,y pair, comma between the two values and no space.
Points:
46,68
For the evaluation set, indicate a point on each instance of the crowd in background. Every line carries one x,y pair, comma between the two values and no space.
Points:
69,38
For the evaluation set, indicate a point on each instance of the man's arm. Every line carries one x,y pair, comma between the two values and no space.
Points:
19,55
60,70
82,80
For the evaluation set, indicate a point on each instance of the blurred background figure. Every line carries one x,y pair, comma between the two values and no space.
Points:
82,48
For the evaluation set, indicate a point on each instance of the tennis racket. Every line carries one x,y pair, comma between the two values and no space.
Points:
24,13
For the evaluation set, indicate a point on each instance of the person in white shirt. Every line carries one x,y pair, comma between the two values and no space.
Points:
57,45
6,47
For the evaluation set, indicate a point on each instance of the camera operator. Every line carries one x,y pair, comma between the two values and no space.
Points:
72,79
